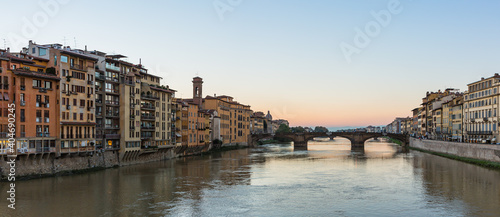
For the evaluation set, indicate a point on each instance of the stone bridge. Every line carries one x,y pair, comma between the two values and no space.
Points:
357,139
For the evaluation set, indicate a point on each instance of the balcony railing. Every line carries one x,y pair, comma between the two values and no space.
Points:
129,82
112,126
110,102
23,87
113,114
77,67
149,97
99,76
112,79
90,82
148,106
112,67
40,134
480,132
148,117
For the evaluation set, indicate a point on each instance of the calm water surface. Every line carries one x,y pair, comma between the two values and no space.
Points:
328,179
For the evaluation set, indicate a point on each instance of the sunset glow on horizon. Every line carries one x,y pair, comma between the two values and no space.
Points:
289,59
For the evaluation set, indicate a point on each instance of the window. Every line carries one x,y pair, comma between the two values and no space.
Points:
64,59
74,102
23,118
74,116
38,116
37,83
42,51
48,84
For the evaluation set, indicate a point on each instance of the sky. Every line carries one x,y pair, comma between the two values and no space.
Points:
328,63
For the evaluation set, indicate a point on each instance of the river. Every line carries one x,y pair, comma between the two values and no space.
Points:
328,179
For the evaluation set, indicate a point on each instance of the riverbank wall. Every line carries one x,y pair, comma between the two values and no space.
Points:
48,164
466,150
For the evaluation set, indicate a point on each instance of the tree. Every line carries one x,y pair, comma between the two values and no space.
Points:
298,129
320,129
283,129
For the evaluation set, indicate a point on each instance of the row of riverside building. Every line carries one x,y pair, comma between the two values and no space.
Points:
71,101
451,115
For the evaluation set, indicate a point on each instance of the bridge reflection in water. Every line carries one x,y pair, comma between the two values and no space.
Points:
301,140
381,148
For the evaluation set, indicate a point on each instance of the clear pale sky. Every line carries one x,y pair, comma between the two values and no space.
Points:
284,55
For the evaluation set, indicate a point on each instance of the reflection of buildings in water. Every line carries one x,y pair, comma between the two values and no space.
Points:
194,174
445,180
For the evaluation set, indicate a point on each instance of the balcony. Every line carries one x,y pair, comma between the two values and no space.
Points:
98,101
129,82
89,108
5,86
68,106
23,87
99,76
45,149
112,67
480,132
112,136
77,67
147,128
112,79
148,107
111,126
42,90
89,95
113,91
147,117
40,134
112,103
90,82
149,97
132,105
113,114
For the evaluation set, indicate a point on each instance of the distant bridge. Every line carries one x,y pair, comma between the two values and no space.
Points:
357,139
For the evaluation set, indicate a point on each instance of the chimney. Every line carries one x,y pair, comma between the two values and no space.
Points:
85,48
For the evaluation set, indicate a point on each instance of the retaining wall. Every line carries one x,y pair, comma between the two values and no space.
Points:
469,150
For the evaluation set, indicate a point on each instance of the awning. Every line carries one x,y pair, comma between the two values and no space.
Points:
6,96
178,135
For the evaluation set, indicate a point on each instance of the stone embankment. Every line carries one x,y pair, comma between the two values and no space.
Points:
467,150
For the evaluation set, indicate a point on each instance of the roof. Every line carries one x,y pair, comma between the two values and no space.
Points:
163,90
77,123
84,56
35,74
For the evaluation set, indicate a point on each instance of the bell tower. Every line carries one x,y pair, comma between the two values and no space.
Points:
198,91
